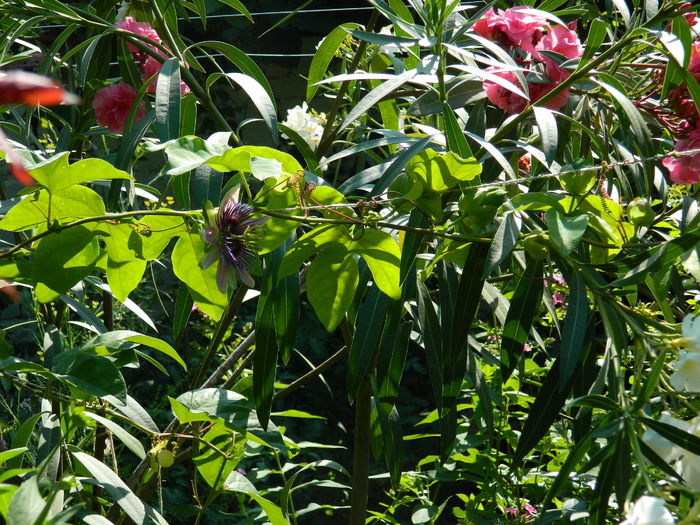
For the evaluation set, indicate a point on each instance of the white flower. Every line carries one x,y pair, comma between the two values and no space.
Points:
689,465
691,333
662,446
308,125
649,511
685,463
687,372
687,366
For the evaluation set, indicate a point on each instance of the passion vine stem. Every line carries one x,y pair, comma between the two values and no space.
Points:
375,224
99,218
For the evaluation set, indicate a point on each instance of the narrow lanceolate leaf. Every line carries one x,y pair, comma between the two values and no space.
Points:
391,357
122,435
261,99
549,135
367,334
323,56
375,96
265,361
466,304
392,438
503,242
456,140
432,341
524,306
572,350
168,100
549,401
137,510
411,242
639,126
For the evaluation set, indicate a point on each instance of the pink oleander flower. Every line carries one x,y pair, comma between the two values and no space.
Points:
152,66
694,64
558,298
112,105
564,41
691,18
513,103
686,168
537,91
523,27
514,27
503,97
138,28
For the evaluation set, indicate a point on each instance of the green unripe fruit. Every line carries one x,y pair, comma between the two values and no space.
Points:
578,182
537,245
165,458
640,212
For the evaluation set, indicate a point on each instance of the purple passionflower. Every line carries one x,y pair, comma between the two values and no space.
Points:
229,236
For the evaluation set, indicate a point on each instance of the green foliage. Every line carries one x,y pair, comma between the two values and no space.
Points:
492,219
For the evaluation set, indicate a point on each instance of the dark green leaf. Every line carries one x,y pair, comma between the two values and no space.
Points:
523,310
572,351
432,341
265,360
503,242
367,334
168,100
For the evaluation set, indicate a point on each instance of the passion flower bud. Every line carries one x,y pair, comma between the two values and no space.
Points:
640,212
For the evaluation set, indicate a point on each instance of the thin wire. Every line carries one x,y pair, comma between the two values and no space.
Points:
261,13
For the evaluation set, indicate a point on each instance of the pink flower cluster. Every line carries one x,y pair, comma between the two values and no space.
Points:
685,169
523,29
113,103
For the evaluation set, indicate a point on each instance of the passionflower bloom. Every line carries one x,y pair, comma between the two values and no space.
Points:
648,510
685,169
564,41
138,28
21,87
112,105
228,234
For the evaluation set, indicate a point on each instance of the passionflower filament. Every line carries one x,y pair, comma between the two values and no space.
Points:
230,237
